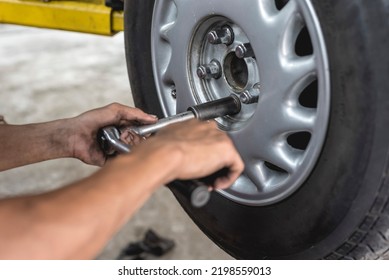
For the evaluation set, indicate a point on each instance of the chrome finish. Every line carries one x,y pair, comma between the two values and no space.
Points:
224,35
145,130
250,96
180,29
111,135
244,51
209,71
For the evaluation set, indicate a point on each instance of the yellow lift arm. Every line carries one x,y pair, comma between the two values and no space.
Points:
89,16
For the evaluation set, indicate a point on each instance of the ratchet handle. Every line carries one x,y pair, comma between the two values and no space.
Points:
196,191
109,141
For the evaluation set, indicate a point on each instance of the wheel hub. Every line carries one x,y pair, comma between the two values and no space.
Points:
207,52
215,69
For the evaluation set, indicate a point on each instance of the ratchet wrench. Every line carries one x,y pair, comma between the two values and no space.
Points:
197,192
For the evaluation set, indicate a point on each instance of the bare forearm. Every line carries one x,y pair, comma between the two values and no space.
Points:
76,221
26,144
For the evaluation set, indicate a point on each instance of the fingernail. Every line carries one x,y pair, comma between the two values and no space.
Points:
153,116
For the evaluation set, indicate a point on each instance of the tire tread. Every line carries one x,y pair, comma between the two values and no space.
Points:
371,239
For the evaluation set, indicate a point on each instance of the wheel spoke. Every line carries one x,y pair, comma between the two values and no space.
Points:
288,23
287,14
267,9
165,30
167,75
258,175
299,67
262,147
295,69
284,157
296,119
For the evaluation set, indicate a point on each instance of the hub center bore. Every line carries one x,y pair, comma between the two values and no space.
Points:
236,72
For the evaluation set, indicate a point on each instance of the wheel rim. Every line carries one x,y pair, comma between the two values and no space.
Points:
281,133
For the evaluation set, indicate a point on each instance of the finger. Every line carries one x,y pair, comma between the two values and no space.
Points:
137,139
127,137
227,181
134,114
131,138
236,167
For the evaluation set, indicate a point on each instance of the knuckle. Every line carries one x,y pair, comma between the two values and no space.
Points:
213,124
241,163
137,111
114,106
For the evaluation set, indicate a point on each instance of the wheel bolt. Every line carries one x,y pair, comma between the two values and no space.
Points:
250,96
244,51
224,35
209,71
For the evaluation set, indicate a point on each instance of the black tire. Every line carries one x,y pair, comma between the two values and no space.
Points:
342,209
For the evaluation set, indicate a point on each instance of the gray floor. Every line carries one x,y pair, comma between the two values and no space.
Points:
45,75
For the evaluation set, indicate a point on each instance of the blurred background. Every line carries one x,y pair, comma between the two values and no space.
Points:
46,75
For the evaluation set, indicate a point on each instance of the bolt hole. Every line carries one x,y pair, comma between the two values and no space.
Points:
274,167
303,46
299,140
309,97
236,71
281,3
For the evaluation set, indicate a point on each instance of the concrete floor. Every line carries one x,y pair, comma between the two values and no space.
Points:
45,75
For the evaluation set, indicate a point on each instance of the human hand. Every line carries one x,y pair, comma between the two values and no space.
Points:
82,141
198,149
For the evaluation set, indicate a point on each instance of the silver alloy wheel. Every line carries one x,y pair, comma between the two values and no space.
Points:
280,136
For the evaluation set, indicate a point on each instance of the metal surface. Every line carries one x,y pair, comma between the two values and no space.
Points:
145,130
209,71
109,139
228,106
261,131
244,51
207,111
223,35
83,16
250,96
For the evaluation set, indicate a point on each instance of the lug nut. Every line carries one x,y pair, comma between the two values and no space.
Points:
224,35
250,96
209,71
244,51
